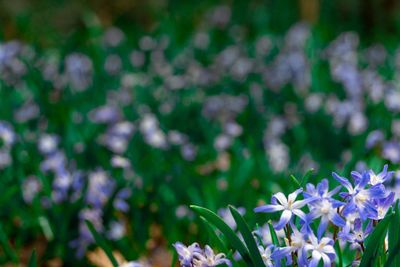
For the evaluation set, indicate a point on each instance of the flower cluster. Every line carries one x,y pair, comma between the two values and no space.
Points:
346,214
194,256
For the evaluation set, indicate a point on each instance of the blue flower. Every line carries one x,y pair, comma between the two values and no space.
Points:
185,254
320,249
266,255
359,198
327,211
374,179
120,202
356,233
382,205
289,206
321,191
296,244
207,258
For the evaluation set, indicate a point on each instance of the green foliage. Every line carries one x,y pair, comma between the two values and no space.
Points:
230,235
102,243
248,237
394,238
375,242
32,259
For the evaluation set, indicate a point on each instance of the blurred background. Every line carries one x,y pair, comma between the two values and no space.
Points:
51,23
124,113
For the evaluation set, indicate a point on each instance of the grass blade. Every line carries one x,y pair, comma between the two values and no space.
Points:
8,250
295,181
102,243
174,259
32,259
374,242
231,236
394,238
338,250
306,176
247,236
214,236
272,232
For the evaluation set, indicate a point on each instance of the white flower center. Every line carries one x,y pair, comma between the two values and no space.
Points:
325,207
361,197
374,179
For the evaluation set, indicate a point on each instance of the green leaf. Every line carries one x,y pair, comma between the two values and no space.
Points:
295,181
174,259
233,239
44,223
102,243
274,237
8,250
339,262
306,176
248,237
394,238
374,242
214,236
32,259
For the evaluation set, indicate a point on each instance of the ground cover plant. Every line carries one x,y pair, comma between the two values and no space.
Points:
133,148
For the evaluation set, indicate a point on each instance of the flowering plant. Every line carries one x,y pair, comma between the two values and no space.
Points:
355,224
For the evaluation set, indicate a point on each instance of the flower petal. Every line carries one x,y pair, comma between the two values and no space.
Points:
337,220
292,197
322,226
269,208
343,181
285,218
281,198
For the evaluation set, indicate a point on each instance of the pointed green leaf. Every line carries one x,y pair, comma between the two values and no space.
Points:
174,259
248,237
374,242
102,243
8,250
394,238
272,232
295,181
306,176
233,239
32,259
339,262
214,236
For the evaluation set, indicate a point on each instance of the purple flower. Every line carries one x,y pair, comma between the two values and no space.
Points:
327,211
7,135
382,205
391,151
100,188
185,254
374,138
266,255
289,206
296,244
359,197
209,259
320,249
120,201
321,191
355,233
381,177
